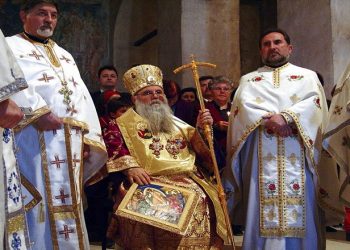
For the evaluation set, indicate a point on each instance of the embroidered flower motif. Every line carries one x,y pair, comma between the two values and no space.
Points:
317,102
6,135
271,187
295,77
257,78
295,187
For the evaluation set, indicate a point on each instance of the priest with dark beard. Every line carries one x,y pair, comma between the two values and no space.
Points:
149,144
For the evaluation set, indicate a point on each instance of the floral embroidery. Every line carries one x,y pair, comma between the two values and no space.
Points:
13,188
257,78
16,241
295,77
317,102
295,187
337,110
271,187
6,135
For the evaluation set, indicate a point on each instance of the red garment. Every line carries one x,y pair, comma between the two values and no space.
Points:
113,139
347,220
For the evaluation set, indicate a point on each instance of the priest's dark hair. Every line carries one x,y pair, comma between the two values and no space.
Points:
271,30
30,4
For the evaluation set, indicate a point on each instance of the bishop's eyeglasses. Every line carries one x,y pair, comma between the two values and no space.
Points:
151,93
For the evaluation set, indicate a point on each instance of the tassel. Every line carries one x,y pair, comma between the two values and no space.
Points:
41,213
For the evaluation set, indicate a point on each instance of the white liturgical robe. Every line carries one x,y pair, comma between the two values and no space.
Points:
271,180
12,218
52,161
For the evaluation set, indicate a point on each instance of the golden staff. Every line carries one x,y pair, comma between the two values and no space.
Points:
208,134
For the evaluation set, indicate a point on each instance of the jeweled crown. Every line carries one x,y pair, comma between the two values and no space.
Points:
142,76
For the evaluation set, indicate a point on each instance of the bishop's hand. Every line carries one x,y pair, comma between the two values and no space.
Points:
138,175
204,118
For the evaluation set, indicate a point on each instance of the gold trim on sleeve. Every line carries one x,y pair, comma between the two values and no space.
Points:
34,116
121,163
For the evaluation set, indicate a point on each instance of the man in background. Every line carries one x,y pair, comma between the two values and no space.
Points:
108,79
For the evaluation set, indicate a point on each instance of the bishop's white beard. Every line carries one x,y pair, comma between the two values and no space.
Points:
158,114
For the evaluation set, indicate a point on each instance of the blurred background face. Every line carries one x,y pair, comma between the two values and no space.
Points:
188,96
204,84
108,79
221,92
40,21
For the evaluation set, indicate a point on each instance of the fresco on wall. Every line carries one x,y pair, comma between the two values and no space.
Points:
82,30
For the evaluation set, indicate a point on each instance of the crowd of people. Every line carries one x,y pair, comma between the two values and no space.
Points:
71,158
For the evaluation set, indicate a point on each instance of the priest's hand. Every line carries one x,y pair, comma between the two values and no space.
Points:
138,175
10,114
204,118
278,125
49,121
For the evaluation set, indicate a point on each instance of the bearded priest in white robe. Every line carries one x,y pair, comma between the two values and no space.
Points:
13,226
60,144
274,138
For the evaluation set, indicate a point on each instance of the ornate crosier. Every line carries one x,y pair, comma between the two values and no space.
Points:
209,136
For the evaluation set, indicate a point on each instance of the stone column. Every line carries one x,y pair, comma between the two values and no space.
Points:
320,34
210,31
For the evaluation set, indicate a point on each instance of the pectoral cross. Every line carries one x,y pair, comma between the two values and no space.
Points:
66,92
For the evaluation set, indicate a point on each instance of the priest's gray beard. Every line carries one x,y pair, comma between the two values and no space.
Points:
158,114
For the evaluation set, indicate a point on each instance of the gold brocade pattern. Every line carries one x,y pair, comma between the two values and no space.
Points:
34,116
281,186
32,190
138,146
73,188
119,164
